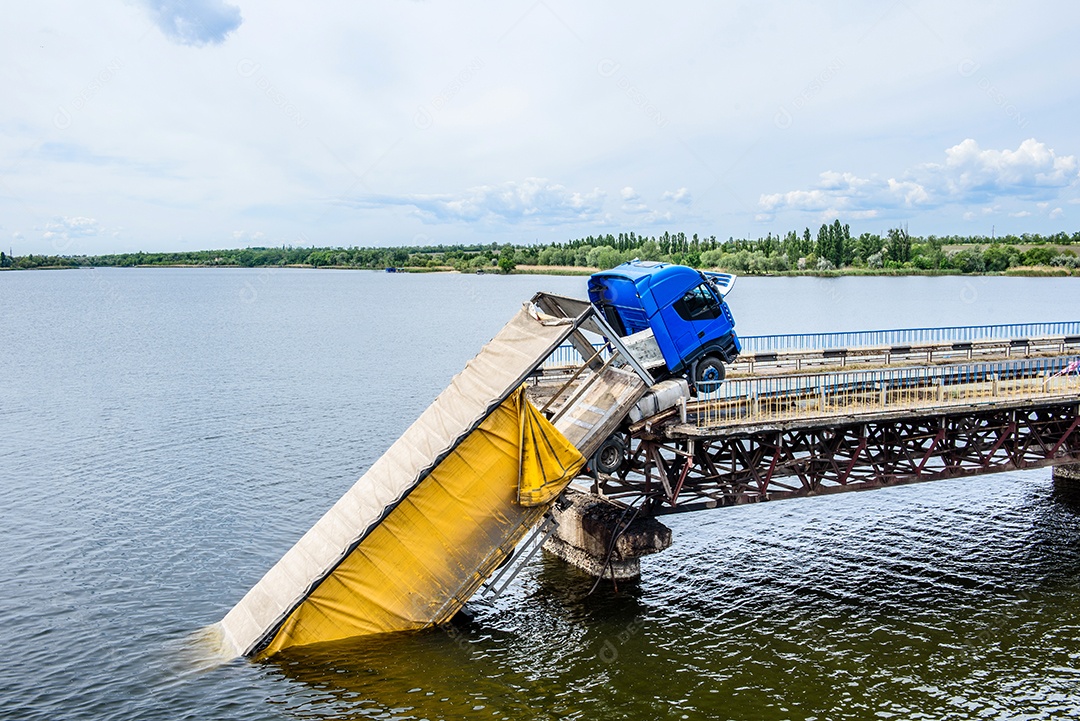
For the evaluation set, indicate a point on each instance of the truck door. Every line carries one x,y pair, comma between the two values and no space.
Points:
695,319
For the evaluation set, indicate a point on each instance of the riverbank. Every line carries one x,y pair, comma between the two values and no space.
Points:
1038,271
1020,271
834,251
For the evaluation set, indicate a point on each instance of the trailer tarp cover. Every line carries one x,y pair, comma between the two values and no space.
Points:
437,546
410,542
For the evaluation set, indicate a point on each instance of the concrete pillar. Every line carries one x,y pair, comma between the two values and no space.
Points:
586,526
1067,479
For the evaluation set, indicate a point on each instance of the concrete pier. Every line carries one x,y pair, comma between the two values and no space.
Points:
587,524
1067,480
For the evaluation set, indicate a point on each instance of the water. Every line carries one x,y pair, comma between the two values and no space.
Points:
165,435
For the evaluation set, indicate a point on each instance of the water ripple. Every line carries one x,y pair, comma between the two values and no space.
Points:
159,453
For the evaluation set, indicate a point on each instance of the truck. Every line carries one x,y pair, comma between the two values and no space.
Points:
673,318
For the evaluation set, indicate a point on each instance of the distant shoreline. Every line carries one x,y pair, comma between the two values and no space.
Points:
571,270
833,252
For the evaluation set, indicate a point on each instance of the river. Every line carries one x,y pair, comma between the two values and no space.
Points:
166,434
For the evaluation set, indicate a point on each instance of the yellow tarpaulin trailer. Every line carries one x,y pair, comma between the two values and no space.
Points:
415,537
436,547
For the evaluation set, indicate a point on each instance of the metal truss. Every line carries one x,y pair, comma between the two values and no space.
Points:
680,471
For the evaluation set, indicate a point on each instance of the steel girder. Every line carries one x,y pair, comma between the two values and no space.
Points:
688,473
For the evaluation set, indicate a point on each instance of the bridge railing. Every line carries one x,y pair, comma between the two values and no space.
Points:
767,398
566,355
906,336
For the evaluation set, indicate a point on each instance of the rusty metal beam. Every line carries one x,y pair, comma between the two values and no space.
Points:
697,471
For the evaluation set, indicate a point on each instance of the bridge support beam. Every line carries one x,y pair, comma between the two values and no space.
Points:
603,538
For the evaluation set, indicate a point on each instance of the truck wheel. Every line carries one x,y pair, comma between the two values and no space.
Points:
710,369
609,456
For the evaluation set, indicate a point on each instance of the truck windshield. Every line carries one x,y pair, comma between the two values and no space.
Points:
698,304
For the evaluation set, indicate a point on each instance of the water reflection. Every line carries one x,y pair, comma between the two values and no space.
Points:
1067,494
533,655
779,611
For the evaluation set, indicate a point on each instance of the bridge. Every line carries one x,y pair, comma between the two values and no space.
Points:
556,436
814,414
771,437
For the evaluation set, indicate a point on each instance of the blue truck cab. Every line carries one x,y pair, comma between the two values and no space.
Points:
683,307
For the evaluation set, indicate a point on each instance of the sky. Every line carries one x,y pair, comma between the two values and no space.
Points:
170,125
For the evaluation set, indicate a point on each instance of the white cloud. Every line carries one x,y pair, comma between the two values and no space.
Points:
1056,213
248,236
1031,169
641,213
77,227
194,22
847,195
1020,214
632,203
799,199
62,231
968,175
657,216
682,196
831,180
912,192
534,200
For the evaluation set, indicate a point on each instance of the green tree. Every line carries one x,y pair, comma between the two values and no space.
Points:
712,258
1041,255
840,244
555,256
999,257
506,260
968,261
823,248
603,257
868,244
899,245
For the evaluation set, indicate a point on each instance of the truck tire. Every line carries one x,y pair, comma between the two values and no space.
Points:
610,456
710,369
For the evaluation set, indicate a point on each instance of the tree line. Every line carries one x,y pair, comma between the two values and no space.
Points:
832,248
